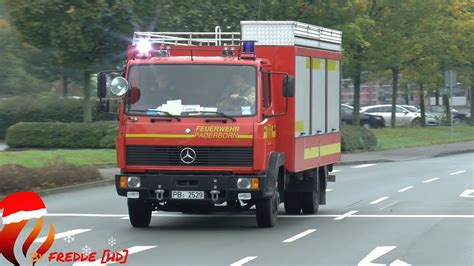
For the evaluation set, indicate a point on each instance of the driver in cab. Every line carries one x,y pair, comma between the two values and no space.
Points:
239,91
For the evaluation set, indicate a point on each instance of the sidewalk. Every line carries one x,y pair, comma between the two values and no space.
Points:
406,154
396,155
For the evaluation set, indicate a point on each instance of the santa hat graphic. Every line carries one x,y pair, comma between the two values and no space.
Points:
22,206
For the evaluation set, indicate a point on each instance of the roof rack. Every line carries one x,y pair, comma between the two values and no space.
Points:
215,38
291,33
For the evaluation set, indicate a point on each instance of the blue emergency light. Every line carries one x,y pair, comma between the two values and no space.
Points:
248,47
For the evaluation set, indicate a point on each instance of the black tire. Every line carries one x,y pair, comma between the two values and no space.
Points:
365,124
267,211
139,212
292,203
309,202
416,122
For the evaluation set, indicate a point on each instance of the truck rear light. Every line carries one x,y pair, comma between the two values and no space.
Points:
243,183
133,182
255,183
123,182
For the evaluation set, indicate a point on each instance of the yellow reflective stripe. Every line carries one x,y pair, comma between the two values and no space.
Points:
176,136
315,152
310,153
161,136
299,126
245,137
330,149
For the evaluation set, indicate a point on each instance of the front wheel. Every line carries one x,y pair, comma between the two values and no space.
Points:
267,211
139,212
416,122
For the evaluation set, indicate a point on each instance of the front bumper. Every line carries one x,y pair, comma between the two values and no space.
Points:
157,187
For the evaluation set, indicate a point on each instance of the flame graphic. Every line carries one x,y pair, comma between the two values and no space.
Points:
10,233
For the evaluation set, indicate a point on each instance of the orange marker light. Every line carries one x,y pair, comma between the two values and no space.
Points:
255,184
123,182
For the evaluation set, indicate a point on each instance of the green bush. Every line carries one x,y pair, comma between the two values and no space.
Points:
357,138
62,135
43,109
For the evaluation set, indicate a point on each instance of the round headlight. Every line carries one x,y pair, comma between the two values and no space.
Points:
243,183
133,181
119,86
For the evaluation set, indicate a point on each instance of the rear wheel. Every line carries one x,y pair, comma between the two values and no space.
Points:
309,202
267,211
139,212
292,203
365,124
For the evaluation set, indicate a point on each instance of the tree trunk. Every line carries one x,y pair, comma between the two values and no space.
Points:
448,109
65,86
422,105
356,115
471,95
395,72
87,98
407,100
437,97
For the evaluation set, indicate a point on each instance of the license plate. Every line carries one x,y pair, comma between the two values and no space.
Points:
187,194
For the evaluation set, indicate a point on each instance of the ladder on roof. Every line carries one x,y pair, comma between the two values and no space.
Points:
216,38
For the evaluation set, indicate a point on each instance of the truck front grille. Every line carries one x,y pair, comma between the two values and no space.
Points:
205,156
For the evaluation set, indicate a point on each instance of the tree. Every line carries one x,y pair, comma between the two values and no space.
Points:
80,35
15,68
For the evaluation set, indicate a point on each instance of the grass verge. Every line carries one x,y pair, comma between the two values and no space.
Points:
393,138
41,158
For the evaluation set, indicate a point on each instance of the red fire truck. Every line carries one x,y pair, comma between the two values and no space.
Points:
233,121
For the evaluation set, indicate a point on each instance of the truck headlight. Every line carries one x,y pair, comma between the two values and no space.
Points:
243,183
133,181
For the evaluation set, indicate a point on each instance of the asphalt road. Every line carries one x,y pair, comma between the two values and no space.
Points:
413,212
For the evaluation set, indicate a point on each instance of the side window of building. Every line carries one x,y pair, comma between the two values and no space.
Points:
267,90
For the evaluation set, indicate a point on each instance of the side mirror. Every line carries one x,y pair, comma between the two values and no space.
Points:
119,86
101,85
288,86
103,106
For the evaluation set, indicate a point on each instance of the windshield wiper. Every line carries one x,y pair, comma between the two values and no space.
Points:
212,112
157,111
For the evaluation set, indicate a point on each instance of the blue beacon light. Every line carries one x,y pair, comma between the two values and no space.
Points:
248,47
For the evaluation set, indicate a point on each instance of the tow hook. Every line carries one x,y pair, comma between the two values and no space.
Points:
215,195
159,194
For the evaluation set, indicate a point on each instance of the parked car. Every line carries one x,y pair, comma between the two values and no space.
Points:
441,112
403,115
431,118
366,120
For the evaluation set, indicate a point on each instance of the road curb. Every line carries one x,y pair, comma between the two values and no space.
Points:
442,154
77,187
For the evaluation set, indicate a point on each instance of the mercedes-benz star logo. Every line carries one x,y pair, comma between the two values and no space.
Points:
187,155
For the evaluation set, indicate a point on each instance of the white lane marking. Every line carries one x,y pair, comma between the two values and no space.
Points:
345,215
335,171
298,236
467,193
431,180
458,172
399,263
363,165
64,234
374,254
329,189
378,200
405,189
84,215
243,261
390,205
411,216
131,250
377,253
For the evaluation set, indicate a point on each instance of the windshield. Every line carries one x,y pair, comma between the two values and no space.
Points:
188,90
